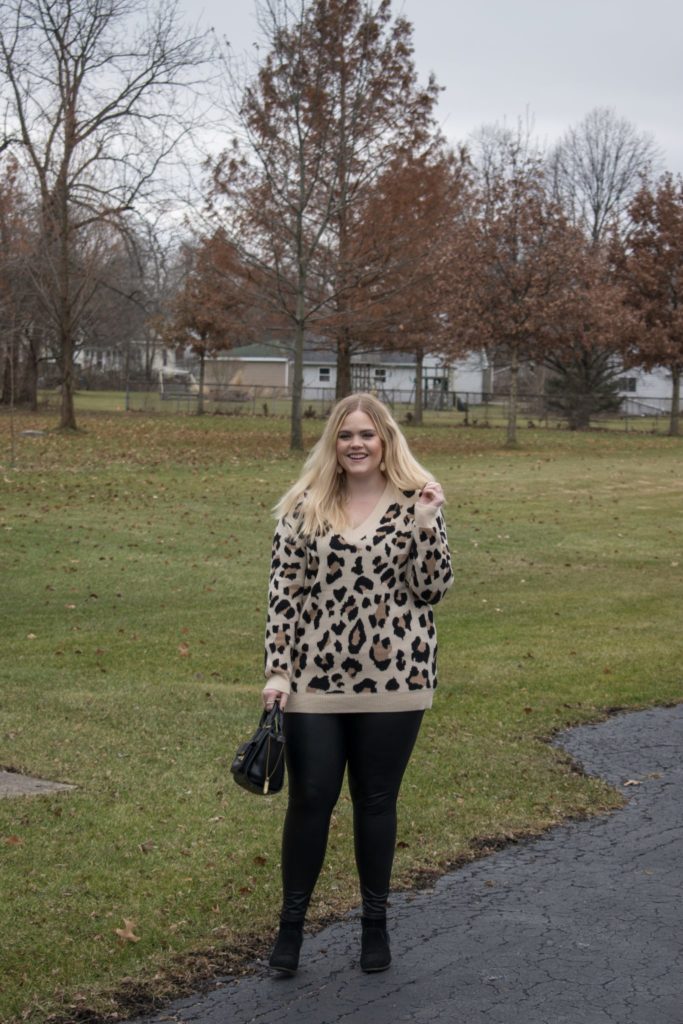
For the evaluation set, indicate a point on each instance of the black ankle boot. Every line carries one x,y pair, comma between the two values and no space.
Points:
285,955
375,954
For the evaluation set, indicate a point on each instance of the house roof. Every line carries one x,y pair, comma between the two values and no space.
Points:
314,355
256,351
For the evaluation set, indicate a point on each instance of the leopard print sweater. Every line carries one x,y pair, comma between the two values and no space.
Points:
350,624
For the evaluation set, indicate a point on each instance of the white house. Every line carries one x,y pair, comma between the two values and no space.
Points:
135,354
647,393
390,374
268,369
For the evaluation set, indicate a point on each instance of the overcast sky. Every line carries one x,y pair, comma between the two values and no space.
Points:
555,58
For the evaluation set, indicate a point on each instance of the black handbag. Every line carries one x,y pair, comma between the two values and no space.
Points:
259,764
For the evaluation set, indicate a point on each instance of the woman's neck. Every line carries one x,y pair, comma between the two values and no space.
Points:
359,489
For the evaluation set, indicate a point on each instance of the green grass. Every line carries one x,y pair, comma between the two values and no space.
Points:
134,558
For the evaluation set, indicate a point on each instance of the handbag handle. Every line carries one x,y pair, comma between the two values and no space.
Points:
272,719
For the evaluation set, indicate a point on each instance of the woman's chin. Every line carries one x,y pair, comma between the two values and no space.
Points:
362,470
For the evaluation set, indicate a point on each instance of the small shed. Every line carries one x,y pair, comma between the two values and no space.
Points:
260,366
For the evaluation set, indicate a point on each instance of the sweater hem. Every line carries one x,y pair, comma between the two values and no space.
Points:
341,703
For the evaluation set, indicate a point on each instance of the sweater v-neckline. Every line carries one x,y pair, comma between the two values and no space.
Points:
373,517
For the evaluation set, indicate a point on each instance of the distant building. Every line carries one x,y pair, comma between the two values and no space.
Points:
391,374
646,392
134,356
248,366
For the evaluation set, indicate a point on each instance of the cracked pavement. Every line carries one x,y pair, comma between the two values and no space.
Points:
579,926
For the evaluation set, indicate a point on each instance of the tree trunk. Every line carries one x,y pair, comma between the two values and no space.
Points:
6,396
511,440
67,418
200,393
150,351
296,442
419,364
59,238
10,370
126,370
28,389
674,422
487,377
343,364
579,415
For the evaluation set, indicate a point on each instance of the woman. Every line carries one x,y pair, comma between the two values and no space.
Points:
359,556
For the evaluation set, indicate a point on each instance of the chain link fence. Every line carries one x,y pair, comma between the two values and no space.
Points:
440,408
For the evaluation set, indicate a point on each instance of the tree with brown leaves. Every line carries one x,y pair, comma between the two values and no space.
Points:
650,262
333,103
397,303
210,309
586,341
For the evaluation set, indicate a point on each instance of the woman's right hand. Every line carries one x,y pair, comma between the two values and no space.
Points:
269,696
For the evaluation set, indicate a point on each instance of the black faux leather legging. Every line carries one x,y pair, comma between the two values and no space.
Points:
376,747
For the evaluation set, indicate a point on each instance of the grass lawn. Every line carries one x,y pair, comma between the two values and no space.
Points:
134,559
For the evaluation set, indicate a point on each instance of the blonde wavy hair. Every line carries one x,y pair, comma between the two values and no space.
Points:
318,495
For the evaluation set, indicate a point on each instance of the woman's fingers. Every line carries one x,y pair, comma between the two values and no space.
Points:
432,494
270,696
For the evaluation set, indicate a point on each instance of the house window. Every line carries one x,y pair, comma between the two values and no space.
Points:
628,384
380,375
324,374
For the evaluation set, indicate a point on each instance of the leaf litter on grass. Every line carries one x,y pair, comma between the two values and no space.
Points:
168,522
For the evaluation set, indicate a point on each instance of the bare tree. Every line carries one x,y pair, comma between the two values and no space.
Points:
595,171
94,114
597,168
511,261
156,254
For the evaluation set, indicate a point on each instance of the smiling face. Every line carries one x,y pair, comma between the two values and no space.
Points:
359,446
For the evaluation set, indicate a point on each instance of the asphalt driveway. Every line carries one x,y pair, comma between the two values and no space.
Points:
580,926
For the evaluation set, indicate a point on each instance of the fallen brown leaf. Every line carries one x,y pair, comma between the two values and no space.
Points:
127,933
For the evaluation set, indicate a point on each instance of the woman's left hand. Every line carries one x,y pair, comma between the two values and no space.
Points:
431,495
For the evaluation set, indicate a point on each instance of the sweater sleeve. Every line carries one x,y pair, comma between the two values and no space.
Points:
430,572
285,598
